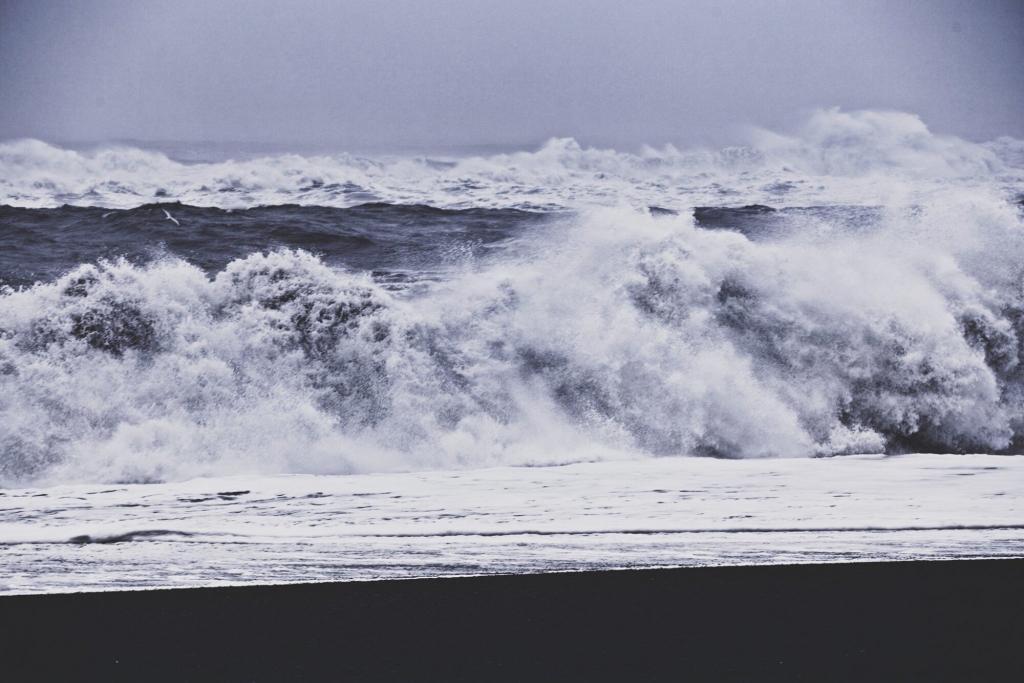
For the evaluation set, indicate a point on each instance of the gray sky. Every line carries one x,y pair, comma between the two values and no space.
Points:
365,73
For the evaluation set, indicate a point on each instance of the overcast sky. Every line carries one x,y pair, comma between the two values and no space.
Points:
363,73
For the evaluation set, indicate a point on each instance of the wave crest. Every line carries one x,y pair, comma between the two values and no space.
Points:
835,156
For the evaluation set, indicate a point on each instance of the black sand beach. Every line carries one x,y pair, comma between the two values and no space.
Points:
873,621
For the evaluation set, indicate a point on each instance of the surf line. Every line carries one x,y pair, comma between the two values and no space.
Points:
654,532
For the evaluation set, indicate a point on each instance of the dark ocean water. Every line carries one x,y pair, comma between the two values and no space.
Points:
391,241
394,242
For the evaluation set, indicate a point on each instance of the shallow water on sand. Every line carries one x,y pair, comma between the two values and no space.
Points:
610,515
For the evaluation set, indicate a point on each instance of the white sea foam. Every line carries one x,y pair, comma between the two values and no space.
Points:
659,512
834,157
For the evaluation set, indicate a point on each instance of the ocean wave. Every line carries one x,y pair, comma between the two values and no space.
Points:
835,156
399,243
615,334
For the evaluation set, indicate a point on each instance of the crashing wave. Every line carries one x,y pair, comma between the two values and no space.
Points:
617,334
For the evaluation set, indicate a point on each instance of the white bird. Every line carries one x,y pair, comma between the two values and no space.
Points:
171,218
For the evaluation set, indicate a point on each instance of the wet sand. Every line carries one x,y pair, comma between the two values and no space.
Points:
940,620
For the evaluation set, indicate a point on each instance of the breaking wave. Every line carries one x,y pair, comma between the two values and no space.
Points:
614,334
835,156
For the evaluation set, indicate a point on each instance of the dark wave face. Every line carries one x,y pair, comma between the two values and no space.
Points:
760,222
393,241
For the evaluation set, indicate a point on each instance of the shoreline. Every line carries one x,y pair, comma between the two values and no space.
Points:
590,516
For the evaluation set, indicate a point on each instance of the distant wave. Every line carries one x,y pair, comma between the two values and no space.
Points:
611,333
836,156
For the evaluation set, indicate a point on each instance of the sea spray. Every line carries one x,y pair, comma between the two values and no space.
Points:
612,333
